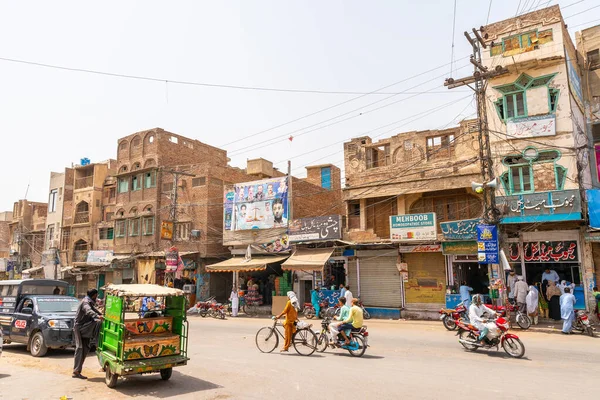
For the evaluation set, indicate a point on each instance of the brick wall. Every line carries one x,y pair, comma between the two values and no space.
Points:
4,236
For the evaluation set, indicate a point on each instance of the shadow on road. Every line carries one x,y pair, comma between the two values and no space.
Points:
4,376
153,385
367,356
18,349
498,354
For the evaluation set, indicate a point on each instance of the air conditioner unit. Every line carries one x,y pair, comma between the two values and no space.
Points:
195,233
189,288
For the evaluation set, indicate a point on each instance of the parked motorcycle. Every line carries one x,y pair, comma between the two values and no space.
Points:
521,318
497,336
448,316
359,339
582,323
202,307
309,310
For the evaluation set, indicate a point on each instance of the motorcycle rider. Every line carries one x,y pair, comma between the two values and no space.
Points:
354,321
477,311
344,313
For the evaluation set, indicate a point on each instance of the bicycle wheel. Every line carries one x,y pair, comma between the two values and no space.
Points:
305,342
267,339
250,309
322,342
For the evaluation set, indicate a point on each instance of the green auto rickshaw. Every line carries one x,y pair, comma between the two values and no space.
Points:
152,340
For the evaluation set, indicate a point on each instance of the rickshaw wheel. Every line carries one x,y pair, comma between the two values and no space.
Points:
166,373
110,378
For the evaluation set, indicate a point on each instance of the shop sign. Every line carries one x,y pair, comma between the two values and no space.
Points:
593,199
459,248
460,230
99,256
172,259
555,251
425,248
413,227
166,230
560,205
487,244
316,228
544,125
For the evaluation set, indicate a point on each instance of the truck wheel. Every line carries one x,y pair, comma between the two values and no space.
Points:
166,373
37,347
110,379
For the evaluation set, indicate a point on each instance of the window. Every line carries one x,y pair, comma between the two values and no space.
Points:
513,103
168,187
52,201
496,49
553,97
136,141
199,181
216,181
519,178
123,169
106,233
123,185
49,236
150,179
593,59
108,217
440,146
121,228
148,226
136,183
123,146
544,36
151,139
173,139
522,41
183,231
449,207
378,156
136,166
326,178
134,227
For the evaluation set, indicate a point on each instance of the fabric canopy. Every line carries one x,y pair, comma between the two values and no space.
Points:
32,270
240,264
307,259
141,290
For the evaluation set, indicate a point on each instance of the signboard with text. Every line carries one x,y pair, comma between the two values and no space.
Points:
487,244
558,205
420,248
413,227
544,252
460,230
316,228
531,127
257,205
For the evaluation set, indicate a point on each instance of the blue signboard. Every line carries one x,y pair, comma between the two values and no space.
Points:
593,198
460,230
487,244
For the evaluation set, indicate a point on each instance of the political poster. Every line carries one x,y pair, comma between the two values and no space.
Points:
258,205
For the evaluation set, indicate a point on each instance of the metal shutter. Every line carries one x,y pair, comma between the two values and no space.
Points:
380,282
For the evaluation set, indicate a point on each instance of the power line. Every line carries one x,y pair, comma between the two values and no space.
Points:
581,12
453,36
489,12
190,83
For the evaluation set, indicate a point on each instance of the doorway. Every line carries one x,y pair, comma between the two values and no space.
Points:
475,274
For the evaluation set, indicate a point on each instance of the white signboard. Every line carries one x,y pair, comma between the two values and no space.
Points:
544,125
413,227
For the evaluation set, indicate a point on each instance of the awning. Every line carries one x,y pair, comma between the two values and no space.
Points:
307,259
32,270
239,264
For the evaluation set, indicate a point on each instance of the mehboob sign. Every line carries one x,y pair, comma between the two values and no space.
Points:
413,227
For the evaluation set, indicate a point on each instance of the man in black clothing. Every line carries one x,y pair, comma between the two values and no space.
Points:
85,330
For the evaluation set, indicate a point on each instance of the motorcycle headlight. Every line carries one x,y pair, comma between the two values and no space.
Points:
58,324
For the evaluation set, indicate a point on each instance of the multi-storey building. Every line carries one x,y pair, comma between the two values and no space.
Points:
61,190
416,173
27,231
538,134
5,220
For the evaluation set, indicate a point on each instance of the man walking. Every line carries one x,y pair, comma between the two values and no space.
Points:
348,295
521,294
85,330
567,311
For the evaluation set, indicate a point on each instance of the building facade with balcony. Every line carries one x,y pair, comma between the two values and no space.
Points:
413,175
538,134
27,232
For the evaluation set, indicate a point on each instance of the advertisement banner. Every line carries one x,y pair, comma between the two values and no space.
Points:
279,245
487,244
316,228
259,205
172,259
413,227
460,230
166,230
228,209
421,248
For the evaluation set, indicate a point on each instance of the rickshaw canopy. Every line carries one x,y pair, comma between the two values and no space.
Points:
141,290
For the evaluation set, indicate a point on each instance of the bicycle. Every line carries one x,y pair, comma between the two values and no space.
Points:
304,339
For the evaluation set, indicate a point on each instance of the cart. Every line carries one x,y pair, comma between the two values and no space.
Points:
154,343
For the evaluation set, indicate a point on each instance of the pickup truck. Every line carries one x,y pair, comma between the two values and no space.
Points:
42,322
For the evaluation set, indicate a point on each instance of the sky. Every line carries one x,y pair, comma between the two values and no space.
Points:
51,118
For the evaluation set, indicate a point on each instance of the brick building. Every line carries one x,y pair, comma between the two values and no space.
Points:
27,231
417,172
5,220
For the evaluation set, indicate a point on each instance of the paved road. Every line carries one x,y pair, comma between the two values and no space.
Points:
414,359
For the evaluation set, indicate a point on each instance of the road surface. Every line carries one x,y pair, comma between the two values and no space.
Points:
406,359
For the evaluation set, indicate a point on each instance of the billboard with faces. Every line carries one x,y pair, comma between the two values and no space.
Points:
257,205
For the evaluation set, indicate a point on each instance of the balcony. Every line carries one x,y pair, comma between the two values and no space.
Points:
80,256
82,217
84,182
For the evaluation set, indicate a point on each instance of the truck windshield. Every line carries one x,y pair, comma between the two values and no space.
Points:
57,305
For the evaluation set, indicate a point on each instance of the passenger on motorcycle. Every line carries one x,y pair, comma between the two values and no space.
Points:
354,321
477,311
344,313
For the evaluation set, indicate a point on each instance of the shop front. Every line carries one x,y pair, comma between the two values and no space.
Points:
425,287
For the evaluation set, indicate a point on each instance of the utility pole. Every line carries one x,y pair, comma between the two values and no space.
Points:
170,276
478,83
